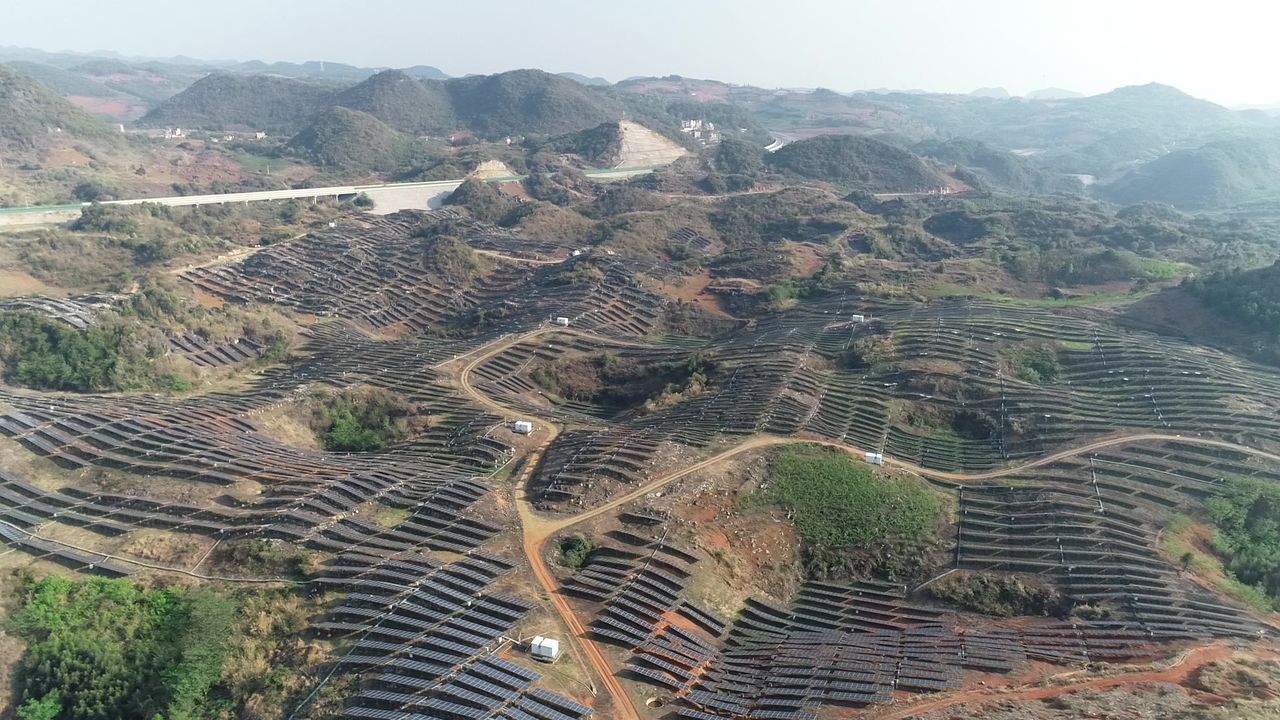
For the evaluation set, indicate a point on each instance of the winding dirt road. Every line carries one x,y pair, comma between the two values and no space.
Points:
537,529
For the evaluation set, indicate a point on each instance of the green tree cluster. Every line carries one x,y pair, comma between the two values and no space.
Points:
1246,512
360,419
574,550
44,354
107,649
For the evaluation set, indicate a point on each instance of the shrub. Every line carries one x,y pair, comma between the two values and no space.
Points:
574,551
360,419
1037,363
1001,595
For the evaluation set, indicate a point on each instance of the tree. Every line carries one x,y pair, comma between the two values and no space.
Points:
45,708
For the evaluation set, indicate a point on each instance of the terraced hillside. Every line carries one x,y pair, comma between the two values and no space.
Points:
1057,445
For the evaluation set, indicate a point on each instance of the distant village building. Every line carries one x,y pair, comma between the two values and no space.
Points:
701,130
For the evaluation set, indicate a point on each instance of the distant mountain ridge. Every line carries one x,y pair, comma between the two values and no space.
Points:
518,102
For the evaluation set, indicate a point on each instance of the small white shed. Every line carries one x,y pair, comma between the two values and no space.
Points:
545,649
562,321
858,318
874,458
524,427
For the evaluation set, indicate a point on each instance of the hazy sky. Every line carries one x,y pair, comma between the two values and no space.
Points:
1222,50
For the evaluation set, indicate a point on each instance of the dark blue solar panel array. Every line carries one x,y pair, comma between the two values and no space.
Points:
424,637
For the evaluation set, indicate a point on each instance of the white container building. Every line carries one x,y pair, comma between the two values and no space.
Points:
545,649
524,427
874,458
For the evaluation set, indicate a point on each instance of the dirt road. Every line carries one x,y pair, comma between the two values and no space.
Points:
1177,672
537,529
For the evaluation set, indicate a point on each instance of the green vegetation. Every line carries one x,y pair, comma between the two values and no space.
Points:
1036,363
1250,298
985,167
449,256
850,520
574,551
1178,543
855,162
411,105
40,353
528,102
262,558
28,110
106,649
245,102
596,146
1221,173
484,201
354,141
1001,595
360,419
1246,513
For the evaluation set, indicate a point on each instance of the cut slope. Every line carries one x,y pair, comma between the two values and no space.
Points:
641,147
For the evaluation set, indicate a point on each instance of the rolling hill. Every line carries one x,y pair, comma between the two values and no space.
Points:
528,102
1213,175
520,102
254,102
410,105
347,139
855,162
30,113
982,166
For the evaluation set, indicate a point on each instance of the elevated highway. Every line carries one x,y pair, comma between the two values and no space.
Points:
387,197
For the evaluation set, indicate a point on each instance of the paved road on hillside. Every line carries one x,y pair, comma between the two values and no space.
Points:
388,197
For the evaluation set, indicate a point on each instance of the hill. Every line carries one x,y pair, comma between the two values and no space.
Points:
410,105
584,79
855,162
348,139
528,102
30,112
254,102
1213,175
982,166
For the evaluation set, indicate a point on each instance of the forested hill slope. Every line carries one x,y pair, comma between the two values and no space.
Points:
254,102
520,102
856,162
30,113
1219,173
408,104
